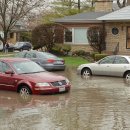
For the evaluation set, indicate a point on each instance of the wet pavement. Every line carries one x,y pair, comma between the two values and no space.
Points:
94,103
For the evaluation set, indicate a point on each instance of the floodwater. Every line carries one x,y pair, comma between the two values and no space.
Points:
94,103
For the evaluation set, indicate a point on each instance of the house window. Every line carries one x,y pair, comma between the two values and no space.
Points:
76,36
115,31
11,35
128,38
80,36
68,35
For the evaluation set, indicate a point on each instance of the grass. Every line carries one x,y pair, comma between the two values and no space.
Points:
9,54
74,61
69,60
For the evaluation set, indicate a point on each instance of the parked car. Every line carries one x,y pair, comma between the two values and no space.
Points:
115,65
22,46
27,77
47,60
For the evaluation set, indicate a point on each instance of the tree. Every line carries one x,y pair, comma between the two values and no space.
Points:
64,7
25,36
96,37
61,8
11,11
46,35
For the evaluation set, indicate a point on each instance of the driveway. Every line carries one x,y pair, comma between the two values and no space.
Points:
95,103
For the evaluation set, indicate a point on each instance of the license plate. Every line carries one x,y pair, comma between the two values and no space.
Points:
59,62
61,89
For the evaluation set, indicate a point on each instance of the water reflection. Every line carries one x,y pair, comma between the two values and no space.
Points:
99,103
18,112
94,103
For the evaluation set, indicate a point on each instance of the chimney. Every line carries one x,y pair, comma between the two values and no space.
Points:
103,5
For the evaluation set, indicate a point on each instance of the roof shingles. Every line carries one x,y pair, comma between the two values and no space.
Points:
122,14
82,17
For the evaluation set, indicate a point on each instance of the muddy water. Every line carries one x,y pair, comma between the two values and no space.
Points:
95,103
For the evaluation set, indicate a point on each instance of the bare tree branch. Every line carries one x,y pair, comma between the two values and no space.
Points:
11,11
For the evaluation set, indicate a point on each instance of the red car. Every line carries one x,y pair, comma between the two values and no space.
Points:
27,77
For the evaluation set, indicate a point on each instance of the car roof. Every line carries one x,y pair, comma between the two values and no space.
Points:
11,59
120,55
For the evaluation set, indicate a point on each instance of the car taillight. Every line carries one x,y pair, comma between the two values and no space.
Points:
63,61
50,60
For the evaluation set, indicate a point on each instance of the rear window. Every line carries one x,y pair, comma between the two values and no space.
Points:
46,55
19,43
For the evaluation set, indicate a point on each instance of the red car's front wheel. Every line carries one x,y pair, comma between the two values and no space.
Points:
24,90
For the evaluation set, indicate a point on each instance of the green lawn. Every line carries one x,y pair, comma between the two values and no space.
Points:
9,54
74,61
69,60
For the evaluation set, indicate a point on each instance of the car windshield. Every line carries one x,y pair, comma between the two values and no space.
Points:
26,67
46,55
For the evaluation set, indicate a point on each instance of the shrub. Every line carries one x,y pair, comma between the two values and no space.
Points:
66,49
56,49
100,56
96,37
92,54
80,53
61,49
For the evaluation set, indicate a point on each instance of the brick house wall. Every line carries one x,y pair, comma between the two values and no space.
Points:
100,5
112,40
103,5
79,46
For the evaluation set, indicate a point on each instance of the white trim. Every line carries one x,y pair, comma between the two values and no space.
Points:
73,36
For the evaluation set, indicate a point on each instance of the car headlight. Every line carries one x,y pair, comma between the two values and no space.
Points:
42,84
67,81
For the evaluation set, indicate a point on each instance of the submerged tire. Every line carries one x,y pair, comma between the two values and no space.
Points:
86,72
127,75
24,90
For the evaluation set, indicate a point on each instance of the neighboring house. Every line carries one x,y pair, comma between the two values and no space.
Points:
116,23
14,34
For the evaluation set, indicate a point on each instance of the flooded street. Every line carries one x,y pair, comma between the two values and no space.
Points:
95,103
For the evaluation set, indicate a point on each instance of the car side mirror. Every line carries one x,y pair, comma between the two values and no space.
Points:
9,72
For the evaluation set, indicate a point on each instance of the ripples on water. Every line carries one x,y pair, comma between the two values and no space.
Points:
94,103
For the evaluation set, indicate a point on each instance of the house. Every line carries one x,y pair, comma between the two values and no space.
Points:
15,34
77,26
116,24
